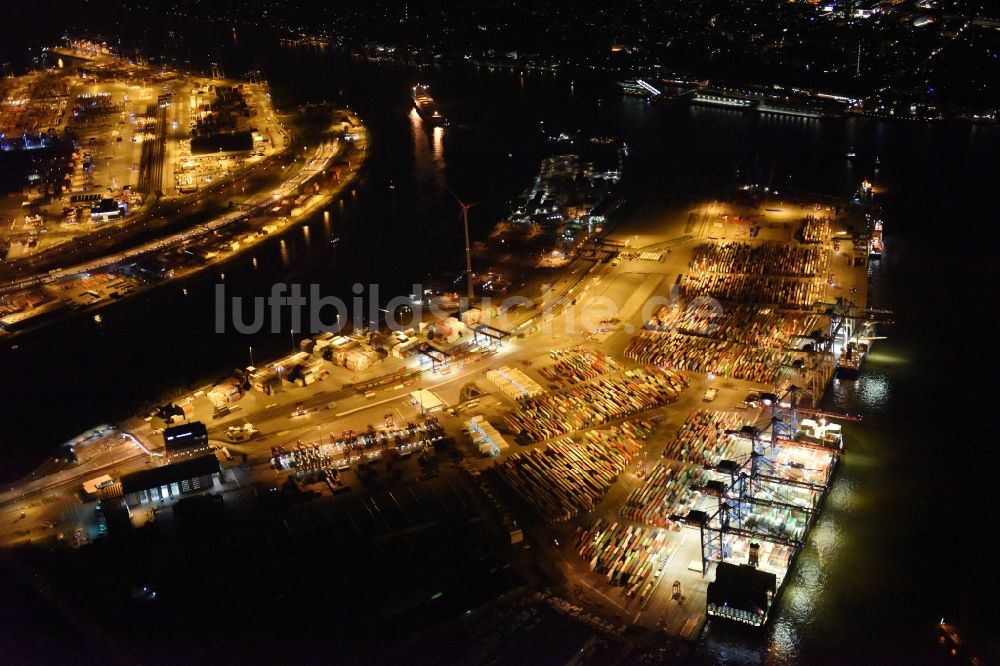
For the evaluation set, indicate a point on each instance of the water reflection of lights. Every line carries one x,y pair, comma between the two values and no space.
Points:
827,538
784,643
843,497
285,259
438,147
872,392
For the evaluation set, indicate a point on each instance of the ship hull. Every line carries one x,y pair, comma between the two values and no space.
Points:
427,108
428,116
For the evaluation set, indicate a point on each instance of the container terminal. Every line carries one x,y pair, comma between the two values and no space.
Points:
139,161
663,465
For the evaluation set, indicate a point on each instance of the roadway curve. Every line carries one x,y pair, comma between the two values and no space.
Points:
319,162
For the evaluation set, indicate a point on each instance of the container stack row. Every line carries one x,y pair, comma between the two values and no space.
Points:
760,259
564,479
815,229
583,406
747,324
628,556
576,366
705,355
796,293
628,437
513,383
665,492
702,440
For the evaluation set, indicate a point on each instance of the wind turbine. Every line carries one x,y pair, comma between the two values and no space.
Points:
468,250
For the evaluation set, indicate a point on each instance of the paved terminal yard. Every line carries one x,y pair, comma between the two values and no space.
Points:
661,256
122,132
264,199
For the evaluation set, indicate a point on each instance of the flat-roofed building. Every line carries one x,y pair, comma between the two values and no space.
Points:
185,440
173,480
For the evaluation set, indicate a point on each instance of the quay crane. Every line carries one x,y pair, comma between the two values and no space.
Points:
841,313
761,481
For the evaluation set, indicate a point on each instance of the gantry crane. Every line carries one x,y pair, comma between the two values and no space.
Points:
760,481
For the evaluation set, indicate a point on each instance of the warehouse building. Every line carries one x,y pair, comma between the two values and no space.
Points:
174,480
186,440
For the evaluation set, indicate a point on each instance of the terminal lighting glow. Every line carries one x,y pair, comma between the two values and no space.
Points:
653,399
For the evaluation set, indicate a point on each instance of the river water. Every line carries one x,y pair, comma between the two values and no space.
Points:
905,536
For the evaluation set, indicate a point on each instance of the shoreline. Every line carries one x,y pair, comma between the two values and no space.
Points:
528,323
351,408
207,227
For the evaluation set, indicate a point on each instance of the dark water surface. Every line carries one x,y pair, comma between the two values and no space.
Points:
906,537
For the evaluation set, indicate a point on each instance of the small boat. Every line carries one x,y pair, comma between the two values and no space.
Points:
875,246
849,363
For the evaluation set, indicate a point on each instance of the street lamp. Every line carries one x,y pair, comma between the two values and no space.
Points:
555,544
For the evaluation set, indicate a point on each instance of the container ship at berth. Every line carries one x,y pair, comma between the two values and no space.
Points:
427,107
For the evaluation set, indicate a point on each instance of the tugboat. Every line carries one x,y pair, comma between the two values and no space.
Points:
849,363
853,355
875,244
427,107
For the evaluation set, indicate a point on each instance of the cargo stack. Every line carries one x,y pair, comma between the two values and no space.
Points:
702,440
628,556
565,478
513,383
793,293
486,438
576,366
667,491
555,414
359,359
789,259
705,355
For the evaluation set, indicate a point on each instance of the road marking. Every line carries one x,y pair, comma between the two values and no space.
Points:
613,602
369,406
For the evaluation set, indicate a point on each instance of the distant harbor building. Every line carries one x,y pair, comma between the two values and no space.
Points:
639,88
